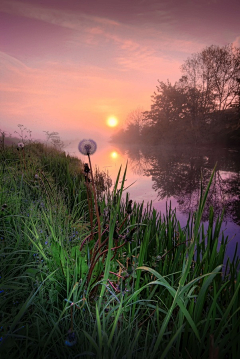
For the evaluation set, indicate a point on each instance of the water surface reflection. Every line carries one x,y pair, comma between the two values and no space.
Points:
176,174
166,173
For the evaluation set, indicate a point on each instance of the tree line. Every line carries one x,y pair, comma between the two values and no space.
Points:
202,107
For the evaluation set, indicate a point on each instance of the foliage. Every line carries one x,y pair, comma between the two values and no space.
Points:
214,71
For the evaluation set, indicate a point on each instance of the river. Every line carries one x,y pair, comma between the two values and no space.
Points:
173,174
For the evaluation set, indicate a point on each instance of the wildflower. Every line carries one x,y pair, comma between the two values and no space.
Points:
20,145
87,147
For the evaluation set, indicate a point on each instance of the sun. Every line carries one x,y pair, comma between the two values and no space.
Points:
114,154
112,121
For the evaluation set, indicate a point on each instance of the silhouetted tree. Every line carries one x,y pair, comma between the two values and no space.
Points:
213,72
236,103
131,132
171,114
199,108
168,104
195,107
133,124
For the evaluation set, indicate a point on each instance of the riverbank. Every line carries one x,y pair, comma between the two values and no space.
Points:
146,287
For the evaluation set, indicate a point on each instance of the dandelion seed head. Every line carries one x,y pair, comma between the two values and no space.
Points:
87,147
20,145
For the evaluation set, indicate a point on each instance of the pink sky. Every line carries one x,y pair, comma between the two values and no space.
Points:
68,65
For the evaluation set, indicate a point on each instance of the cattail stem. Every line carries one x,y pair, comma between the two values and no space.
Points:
95,200
93,262
89,197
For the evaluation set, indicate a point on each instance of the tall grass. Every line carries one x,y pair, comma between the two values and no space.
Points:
149,289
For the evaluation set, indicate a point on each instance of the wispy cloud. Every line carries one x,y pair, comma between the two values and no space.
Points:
65,18
130,43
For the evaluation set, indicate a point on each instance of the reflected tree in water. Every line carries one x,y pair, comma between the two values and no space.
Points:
178,172
138,162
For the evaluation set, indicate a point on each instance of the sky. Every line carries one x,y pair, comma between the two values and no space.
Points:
67,66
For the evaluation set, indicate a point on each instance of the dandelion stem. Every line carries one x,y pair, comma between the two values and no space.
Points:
95,200
89,197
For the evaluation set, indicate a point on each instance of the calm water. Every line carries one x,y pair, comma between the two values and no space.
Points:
173,174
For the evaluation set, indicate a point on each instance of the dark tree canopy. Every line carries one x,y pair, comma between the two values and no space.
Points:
203,106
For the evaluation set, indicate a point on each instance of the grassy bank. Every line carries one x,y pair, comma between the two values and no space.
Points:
145,288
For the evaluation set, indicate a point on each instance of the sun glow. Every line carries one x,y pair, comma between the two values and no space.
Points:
112,121
114,154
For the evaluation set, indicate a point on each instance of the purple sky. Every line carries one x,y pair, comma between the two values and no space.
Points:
67,66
